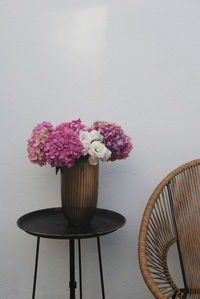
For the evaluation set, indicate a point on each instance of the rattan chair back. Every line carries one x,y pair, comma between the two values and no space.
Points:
173,215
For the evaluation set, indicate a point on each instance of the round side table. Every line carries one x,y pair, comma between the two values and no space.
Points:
50,223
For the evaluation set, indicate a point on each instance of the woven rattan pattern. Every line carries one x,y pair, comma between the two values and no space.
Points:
159,231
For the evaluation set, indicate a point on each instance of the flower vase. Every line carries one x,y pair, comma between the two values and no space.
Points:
79,193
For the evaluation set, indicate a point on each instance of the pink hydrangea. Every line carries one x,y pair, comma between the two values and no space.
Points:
37,141
76,125
114,139
63,146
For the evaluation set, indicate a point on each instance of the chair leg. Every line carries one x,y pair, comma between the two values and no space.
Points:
36,267
101,268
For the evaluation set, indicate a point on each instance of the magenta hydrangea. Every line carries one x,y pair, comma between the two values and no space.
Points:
37,141
114,139
63,146
76,125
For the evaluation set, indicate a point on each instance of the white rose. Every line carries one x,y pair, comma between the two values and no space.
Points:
86,139
93,160
106,156
98,150
96,136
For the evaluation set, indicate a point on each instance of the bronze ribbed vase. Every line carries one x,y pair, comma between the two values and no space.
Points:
79,193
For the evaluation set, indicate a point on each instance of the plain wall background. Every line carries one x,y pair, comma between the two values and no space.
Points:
134,62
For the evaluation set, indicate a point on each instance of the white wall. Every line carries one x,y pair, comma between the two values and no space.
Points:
134,62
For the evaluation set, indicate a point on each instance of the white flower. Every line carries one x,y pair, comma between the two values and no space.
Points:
93,160
98,150
106,156
96,136
86,138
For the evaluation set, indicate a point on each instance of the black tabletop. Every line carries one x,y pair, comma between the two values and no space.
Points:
51,223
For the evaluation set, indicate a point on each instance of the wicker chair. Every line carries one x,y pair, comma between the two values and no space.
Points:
173,215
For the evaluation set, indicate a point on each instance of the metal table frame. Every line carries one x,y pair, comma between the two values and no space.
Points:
72,236
72,283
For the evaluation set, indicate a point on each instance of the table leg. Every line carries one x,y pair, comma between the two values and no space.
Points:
36,267
100,267
80,267
72,283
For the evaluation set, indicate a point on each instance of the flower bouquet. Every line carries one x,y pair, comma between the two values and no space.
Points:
77,149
